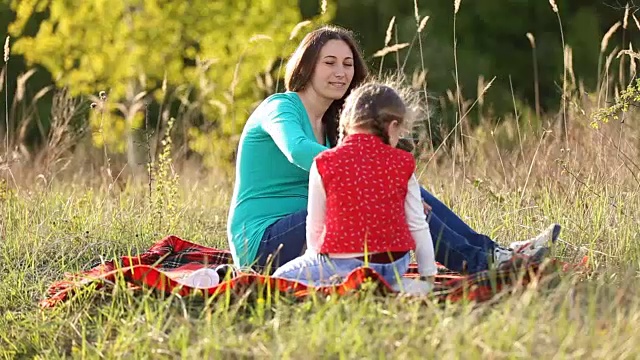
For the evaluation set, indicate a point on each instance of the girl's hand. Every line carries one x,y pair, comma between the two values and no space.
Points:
427,208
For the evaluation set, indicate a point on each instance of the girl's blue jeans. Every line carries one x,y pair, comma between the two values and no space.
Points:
319,270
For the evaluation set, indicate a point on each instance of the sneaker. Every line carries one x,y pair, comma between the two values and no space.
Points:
531,246
501,255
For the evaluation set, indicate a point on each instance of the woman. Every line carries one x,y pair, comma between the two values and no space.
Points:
267,216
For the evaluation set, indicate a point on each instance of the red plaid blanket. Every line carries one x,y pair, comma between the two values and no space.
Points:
172,258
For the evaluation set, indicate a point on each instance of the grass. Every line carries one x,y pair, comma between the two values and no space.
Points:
512,179
64,228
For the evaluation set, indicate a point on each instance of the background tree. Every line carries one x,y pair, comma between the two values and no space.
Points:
208,63
492,41
145,52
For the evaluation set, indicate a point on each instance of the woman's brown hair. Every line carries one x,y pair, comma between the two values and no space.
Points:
302,63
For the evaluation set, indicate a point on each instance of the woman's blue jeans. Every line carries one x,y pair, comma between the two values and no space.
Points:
457,246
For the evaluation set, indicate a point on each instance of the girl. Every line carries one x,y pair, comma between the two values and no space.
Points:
346,230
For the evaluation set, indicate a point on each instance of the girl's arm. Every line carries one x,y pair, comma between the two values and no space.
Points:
316,211
420,229
283,122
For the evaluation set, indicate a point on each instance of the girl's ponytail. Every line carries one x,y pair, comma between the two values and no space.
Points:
379,128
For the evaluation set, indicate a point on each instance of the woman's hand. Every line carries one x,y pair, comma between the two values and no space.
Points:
427,208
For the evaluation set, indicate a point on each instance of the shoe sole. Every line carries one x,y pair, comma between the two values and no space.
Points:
540,254
555,233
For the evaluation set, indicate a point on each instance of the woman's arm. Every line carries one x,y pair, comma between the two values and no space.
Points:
420,229
316,211
283,123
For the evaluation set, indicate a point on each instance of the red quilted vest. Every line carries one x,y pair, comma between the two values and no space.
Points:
365,181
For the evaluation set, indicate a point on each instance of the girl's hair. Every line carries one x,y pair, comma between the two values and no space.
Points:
373,106
302,63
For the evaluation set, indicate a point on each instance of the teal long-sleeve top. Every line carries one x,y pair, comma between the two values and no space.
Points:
275,153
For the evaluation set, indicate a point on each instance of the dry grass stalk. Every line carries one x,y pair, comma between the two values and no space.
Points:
608,35
480,91
390,49
62,135
565,130
6,49
625,20
568,58
259,37
633,56
632,63
532,40
468,109
415,11
456,6
419,79
21,84
636,21
323,7
536,86
389,33
28,116
6,93
487,86
607,65
423,23
296,29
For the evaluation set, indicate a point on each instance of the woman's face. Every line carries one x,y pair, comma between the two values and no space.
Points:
334,70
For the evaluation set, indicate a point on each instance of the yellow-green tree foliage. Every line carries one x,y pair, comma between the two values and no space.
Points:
94,45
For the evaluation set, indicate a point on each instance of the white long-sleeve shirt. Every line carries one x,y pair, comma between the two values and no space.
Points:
414,211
